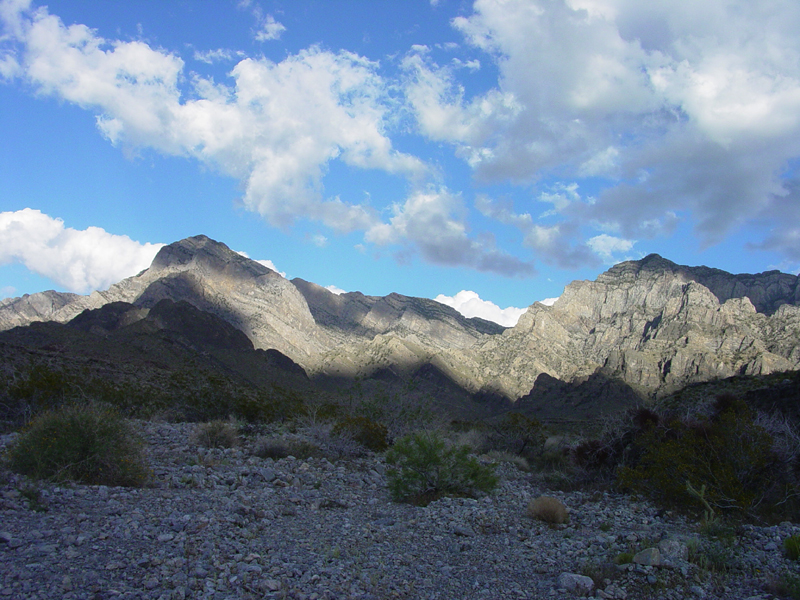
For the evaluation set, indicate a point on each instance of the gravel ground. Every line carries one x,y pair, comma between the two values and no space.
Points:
219,524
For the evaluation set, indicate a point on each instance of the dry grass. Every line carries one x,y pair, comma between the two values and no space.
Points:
548,509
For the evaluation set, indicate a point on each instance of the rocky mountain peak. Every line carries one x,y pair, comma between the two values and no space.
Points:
767,291
202,253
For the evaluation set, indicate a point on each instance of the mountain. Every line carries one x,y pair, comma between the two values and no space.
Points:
642,329
654,325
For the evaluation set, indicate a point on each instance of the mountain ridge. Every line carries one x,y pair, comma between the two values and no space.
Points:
651,324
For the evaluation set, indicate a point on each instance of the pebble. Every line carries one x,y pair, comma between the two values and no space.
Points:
224,524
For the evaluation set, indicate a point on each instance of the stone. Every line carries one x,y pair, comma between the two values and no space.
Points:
673,550
575,584
650,557
463,530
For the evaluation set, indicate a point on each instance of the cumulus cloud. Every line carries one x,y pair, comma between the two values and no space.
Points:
443,113
470,304
607,246
335,290
682,107
433,221
249,131
558,244
79,260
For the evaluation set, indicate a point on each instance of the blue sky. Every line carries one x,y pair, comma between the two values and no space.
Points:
478,152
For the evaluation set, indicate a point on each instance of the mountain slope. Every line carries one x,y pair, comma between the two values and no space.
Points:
650,324
653,325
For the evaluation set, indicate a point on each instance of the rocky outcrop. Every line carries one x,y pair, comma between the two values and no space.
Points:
652,325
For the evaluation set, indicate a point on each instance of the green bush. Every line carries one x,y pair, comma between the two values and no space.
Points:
368,433
791,546
517,434
86,443
424,468
726,455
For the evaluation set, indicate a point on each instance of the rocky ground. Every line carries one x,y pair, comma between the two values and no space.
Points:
219,524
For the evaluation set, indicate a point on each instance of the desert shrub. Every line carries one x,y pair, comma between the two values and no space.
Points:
548,509
273,406
87,443
727,455
216,434
506,457
277,448
786,586
424,468
368,433
791,546
623,558
712,555
516,433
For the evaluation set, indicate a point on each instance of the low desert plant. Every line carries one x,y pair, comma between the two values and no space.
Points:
712,555
216,434
791,546
548,509
517,434
623,558
786,586
718,464
277,448
87,443
506,457
424,468
370,434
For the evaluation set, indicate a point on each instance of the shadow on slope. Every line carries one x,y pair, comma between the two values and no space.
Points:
181,362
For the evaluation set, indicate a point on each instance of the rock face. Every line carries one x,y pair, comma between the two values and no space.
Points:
653,325
644,327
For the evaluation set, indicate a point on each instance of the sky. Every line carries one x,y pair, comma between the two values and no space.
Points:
483,153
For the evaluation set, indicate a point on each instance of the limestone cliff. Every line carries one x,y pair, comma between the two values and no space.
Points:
654,325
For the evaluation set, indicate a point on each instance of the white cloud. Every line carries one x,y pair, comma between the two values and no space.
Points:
265,262
433,220
271,265
214,56
270,29
557,244
335,290
470,304
704,97
549,301
249,131
606,246
78,260
442,112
